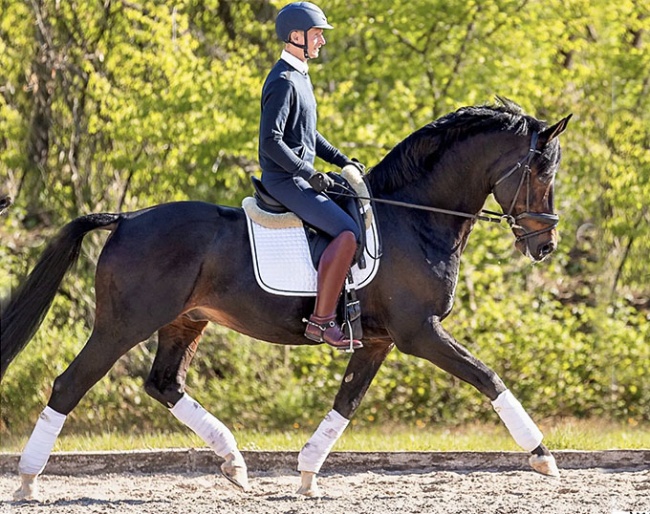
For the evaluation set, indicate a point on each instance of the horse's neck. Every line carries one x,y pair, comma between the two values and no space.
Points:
461,176
459,180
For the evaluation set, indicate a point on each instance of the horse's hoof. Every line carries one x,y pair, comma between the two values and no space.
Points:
313,492
544,464
28,488
236,473
308,487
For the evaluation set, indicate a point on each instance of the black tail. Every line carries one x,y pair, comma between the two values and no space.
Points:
24,313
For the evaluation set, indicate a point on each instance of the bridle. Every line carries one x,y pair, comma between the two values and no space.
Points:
551,220
513,221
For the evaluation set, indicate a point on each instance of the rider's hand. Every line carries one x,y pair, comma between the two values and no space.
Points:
320,182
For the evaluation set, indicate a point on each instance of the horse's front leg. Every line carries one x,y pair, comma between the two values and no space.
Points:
360,372
434,343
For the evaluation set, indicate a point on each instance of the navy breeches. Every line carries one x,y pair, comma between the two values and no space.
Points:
317,210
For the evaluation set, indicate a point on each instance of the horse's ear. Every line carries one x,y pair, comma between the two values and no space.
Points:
550,133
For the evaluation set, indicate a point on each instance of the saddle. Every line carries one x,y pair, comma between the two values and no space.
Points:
318,240
282,244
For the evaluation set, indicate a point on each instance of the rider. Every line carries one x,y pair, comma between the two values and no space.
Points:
288,145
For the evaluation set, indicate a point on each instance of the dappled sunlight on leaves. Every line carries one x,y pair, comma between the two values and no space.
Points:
150,102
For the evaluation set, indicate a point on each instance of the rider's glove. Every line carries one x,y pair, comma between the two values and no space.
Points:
320,182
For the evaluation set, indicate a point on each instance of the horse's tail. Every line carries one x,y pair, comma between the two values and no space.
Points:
24,313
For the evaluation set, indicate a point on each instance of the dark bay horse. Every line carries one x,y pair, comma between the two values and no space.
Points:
175,267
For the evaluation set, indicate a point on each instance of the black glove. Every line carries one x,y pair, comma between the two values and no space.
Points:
320,182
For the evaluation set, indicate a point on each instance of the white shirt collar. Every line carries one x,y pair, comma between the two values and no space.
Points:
296,63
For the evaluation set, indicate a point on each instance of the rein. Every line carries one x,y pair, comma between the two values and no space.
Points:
493,216
551,219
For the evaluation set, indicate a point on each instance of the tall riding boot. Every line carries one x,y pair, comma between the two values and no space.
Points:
332,270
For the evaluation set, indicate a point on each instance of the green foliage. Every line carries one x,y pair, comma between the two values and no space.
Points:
117,106
560,361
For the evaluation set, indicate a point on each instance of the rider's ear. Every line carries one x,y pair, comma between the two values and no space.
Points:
550,133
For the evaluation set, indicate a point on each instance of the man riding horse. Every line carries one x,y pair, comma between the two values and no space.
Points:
288,145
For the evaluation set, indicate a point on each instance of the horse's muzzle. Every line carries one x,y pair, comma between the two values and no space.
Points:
535,233
546,249
539,246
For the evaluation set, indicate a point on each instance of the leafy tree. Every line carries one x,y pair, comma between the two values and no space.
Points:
118,105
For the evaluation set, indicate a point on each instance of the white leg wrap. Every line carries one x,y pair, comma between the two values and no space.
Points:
521,427
39,446
207,427
316,450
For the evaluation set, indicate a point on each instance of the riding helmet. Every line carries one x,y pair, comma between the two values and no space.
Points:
299,16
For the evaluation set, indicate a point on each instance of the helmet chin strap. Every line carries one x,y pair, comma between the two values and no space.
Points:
305,47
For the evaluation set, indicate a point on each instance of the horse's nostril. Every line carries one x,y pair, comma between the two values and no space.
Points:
547,249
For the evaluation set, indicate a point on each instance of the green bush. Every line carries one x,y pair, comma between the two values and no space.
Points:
135,117
558,360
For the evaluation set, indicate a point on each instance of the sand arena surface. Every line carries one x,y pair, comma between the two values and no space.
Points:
589,491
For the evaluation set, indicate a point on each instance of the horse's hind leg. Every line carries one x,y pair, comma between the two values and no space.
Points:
361,370
177,343
434,343
92,363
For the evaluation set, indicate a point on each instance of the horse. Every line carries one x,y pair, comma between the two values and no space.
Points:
175,267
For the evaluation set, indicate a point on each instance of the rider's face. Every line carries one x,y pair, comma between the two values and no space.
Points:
315,40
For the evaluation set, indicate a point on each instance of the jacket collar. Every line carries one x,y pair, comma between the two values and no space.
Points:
294,62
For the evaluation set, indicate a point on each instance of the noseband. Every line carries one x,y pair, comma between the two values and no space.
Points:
550,219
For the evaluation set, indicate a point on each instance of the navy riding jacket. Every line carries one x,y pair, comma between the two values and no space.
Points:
289,141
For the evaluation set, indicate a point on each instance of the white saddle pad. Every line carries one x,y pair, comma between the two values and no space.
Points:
281,257
283,264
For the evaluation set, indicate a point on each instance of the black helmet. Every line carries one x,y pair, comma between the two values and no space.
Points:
299,16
